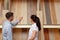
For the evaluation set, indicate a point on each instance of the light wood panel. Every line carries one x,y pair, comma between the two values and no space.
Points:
20,34
0,34
31,9
46,34
1,9
41,33
24,8
56,34
18,7
52,34
51,13
57,10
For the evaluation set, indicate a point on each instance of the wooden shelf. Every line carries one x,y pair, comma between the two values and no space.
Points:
51,26
20,26
28,26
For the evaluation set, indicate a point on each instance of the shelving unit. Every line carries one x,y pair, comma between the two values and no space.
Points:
23,8
51,19
48,12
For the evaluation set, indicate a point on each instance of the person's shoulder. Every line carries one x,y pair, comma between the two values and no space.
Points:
5,22
34,25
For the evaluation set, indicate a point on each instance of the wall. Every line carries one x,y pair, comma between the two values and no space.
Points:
51,11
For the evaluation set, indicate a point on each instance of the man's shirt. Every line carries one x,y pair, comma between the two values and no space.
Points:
7,29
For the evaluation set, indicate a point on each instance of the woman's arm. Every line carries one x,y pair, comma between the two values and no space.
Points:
33,35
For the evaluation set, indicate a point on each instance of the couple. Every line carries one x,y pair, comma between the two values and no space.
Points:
7,27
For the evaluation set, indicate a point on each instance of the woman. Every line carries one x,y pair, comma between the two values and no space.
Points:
36,26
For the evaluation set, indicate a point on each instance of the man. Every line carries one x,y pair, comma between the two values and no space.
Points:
7,26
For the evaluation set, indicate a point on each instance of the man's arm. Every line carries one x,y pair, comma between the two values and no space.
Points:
17,21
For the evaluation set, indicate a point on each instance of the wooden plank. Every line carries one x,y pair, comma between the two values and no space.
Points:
57,10
56,34
52,11
17,34
31,9
47,10
0,34
19,7
43,9
25,34
20,34
51,34
14,7
1,8
6,4
46,34
40,15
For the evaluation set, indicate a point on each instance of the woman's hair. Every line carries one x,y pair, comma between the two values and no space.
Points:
37,21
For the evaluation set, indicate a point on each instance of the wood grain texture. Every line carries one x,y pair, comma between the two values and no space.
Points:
1,9
47,10
51,34
16,8
24,8
20,34
31,9
56,34
0,34
52,12
44,13
17,34
57,10
54,6
46,34
40,15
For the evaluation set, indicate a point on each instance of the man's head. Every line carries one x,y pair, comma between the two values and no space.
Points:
9,16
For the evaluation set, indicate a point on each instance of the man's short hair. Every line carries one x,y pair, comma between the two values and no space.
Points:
9,14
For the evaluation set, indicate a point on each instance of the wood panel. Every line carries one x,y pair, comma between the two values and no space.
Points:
51,13
0,34
20,34
41,33
43,9
56,34
46,34
52,34
1,9
24,8
57,8
31,9
18,7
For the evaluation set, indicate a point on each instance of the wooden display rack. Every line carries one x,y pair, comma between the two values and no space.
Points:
21,8
26,8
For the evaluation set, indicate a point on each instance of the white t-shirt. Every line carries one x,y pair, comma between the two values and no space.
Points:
33,28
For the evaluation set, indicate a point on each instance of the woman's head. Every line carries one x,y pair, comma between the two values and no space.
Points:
35,19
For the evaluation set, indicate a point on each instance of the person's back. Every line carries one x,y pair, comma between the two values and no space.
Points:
33,28
7,30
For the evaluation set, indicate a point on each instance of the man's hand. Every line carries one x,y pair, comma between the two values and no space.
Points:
20,18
